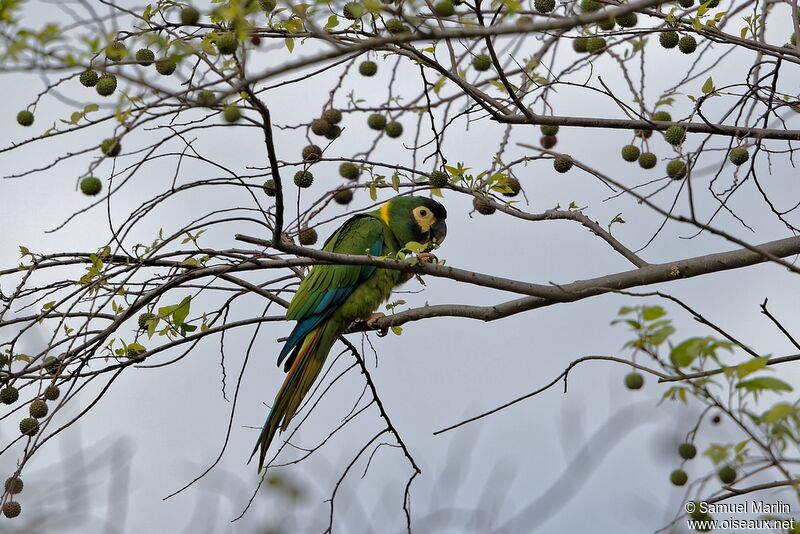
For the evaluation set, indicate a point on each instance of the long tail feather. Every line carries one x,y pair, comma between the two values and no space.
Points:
307,362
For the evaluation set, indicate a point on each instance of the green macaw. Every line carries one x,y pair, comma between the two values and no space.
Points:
332,297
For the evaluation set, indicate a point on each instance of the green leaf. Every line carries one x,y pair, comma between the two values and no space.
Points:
779,412
717,453
333,21
182,311
764,383
289,44
396,330
708,86
684,353
751,366
439,84
651,313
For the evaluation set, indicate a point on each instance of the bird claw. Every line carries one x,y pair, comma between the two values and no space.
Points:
372,321
426,257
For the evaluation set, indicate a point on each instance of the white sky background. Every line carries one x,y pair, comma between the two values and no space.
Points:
168,424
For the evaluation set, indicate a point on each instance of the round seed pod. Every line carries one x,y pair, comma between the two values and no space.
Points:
483,206
106,85
145,57
88,78
562,163
303,179
368,68
481,62
676,169
687,44
343,196
91,186
166,66
630,153
25,118
647,160
669,39
348,170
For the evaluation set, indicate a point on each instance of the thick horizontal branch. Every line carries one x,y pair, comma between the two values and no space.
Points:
651,274
540,295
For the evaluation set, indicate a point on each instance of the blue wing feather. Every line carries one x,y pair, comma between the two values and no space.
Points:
320,304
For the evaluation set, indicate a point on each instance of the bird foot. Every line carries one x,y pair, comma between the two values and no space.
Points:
372,321
426,257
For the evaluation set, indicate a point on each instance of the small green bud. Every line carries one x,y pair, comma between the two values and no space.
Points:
445,8
343,196
166,66
307,237
595,45
634,381
675,135
628,20
88,78
303,179
676,169
320,126
189,16
353,10
663,116
11,509
29,426
678,477
438,179
687,451
106,85
348,170
52,392
38,409
91,186
368,68
483,206
333,116
630,153
669,39
548,129
376,121
687,44
579,44
739,155
231,113
145,57
394,129
111,147
562,163
396,26
9,395
481,62
227,43
116,51
25,118
14,485
727,474
312,153
648,160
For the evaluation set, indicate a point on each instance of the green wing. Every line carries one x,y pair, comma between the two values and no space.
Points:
327,286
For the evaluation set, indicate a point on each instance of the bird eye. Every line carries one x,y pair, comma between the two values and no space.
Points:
423,213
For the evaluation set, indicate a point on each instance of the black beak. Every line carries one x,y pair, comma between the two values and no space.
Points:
438,232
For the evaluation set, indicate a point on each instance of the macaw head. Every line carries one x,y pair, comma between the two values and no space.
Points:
415,219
